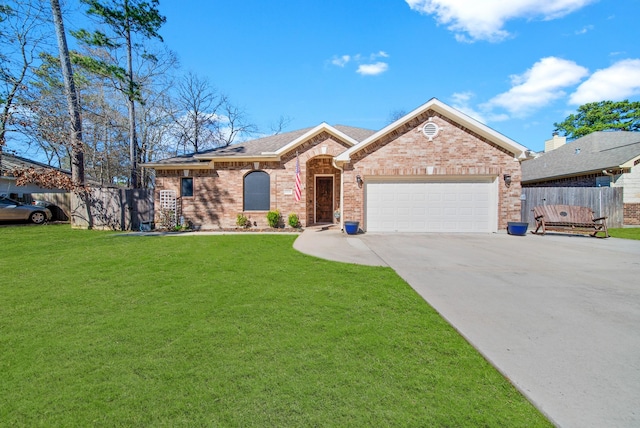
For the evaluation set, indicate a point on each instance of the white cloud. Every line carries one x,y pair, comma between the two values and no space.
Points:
620,81
484,20
584,30
367,65
538,86
372,69
381,54
341,61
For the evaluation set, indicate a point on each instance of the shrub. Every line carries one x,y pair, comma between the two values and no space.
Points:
294,220
273,218
167,218
243,221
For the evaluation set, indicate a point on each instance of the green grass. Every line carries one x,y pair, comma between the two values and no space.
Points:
626,233
101,329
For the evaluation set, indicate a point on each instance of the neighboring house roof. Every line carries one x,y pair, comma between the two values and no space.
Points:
456,116
269,147
592,153
10,162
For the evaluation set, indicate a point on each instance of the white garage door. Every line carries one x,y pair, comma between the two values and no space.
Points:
431,206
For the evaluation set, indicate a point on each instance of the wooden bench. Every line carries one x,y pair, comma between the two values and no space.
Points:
569,218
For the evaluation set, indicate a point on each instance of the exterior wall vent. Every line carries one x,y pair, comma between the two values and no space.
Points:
430,130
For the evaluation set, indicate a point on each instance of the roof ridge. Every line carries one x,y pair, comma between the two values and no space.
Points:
620,147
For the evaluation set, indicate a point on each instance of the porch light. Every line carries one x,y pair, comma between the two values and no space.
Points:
507,179
359,180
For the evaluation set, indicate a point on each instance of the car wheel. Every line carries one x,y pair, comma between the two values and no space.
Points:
38,217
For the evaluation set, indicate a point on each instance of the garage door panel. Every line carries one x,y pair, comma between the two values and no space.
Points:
461,212
418,211
434,212
431,207
480,211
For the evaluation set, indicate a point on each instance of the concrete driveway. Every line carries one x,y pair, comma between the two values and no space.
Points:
558,315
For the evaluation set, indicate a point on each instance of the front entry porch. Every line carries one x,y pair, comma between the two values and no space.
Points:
323,191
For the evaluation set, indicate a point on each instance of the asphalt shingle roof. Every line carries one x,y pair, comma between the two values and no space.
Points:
262,145
593,152
11,162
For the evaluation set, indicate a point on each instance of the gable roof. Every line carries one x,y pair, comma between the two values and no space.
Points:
592,153
449,112
268,148
11,162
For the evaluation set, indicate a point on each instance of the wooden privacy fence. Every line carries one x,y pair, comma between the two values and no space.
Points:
105,208
114,209
604,201
61,209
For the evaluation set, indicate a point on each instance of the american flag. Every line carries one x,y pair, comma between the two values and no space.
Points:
298,191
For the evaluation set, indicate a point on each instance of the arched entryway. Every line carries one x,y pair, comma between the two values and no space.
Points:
323,189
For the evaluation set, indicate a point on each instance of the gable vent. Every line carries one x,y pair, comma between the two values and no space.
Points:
430,130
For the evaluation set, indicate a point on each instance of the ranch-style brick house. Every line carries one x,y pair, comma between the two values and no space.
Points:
433,170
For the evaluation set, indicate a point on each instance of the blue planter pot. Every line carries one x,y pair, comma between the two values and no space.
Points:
351,227
517,228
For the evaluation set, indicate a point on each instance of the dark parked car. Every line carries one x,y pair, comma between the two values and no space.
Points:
11,210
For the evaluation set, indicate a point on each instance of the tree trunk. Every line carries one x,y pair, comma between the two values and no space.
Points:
131,104
77,149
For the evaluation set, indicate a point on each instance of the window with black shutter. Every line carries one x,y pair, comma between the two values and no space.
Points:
256,191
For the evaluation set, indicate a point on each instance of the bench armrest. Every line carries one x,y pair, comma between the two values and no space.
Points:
600,218
537,217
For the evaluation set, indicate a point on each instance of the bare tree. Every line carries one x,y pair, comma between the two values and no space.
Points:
104,122
73,104
233,123
156,112
198,103
280,125
396,114
206,118
22,35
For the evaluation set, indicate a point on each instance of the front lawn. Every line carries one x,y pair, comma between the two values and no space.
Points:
104,329
626,233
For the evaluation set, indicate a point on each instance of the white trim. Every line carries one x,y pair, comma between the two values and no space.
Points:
341,204
312,133
457,116
315,195
630,163
429,178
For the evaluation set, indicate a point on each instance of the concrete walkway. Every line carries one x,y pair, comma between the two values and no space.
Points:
558,315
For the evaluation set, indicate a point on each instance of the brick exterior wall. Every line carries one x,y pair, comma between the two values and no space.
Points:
632,214
218,193
455,151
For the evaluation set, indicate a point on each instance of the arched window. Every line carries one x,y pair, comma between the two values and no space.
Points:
256,191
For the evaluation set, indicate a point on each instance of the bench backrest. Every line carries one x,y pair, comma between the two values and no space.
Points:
564,214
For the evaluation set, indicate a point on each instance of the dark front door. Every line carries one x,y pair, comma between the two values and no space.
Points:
324,199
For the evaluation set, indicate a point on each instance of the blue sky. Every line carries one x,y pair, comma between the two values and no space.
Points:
516,65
